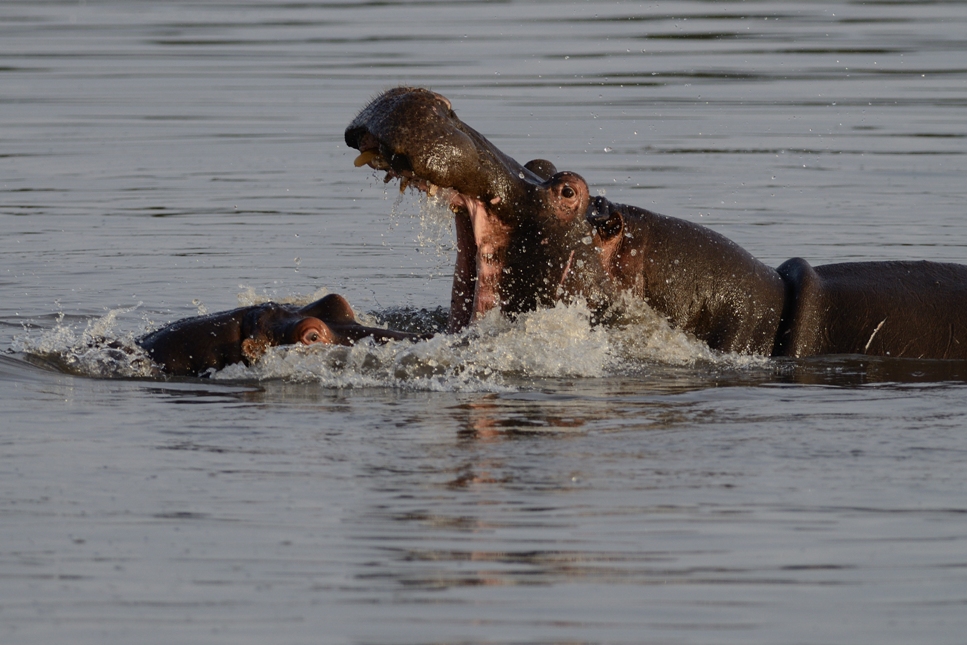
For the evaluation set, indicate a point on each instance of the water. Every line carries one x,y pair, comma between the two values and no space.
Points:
533,483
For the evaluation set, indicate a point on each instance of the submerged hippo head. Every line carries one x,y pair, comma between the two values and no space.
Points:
521,230
192,346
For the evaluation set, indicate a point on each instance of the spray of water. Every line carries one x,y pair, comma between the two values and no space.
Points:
99,350
434,225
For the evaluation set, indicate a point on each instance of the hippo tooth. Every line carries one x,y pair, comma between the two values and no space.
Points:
365,157
404,182
431,189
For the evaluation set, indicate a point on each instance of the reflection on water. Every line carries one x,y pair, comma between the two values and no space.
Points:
618,486
860,370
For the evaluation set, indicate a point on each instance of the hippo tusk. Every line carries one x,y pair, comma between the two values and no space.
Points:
567,269
365,157
870,341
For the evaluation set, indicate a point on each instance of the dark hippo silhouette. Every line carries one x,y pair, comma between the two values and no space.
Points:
528,235
192,346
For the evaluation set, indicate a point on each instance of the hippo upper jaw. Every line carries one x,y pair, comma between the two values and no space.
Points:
414,133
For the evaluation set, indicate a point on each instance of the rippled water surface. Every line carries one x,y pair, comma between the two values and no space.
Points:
545,481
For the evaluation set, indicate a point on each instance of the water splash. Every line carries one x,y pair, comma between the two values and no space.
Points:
248,297
490,356
497,354
493,355
98,351
434,224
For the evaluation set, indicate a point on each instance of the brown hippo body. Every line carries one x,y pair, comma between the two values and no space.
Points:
899,309
528,235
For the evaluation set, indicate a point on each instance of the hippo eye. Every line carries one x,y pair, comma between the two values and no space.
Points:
567,192
313,337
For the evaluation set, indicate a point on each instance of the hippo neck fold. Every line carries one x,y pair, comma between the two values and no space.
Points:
700,280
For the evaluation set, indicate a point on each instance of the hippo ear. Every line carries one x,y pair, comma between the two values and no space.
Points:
567,193
333,309
542,168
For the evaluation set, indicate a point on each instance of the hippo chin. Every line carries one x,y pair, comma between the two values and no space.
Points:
193,346
528,235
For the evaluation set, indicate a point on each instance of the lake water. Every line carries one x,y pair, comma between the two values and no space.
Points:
541,482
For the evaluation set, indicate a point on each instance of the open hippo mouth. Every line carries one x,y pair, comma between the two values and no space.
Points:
512,221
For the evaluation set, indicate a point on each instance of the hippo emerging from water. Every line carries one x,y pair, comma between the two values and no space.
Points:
192,346
528,235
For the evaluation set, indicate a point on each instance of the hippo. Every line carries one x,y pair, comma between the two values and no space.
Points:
528,235
193,346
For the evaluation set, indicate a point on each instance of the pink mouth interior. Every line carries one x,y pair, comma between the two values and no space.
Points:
478,266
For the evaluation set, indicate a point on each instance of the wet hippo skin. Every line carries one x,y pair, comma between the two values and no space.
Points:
528,235
192,346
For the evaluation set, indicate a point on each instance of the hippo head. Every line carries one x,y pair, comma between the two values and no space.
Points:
329,320
272,324
522,230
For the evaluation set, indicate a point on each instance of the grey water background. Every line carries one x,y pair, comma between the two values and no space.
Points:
166,156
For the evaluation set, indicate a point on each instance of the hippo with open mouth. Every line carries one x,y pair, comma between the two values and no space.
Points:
528,235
